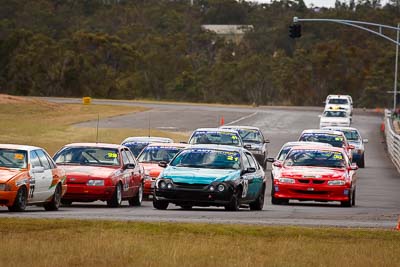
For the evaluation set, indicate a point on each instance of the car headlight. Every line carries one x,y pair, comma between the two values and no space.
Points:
95,183
162,184
336,182
5,187
211,188
220,187
286,180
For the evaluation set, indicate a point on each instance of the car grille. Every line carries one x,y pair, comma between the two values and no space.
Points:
190,186
304,181
318,181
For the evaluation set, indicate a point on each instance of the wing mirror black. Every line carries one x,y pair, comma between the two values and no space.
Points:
247,146
129,166
266,141
163,164
249,170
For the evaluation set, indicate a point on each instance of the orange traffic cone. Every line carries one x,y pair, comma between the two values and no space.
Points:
222,121
398,224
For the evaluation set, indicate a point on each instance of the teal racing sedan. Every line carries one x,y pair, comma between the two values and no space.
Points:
211,175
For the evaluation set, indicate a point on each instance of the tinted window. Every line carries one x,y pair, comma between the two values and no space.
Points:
338,101
158,153
34,159
207,158
130,156
52,165
88,156
318,158
43,159
135,147
253,164
125,158
334,140
11,158
246,163
216,137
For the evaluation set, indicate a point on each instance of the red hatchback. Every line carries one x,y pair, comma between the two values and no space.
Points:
315,173
105,172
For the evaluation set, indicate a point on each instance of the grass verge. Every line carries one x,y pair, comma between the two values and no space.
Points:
49,125
32,242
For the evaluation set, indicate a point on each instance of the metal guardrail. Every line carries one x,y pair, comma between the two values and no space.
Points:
392,140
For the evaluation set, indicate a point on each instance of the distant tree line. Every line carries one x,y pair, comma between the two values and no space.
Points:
156,49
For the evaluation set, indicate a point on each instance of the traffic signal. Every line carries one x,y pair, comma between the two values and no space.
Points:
295,31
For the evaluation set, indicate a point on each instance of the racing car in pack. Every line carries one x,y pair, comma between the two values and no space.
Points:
137,143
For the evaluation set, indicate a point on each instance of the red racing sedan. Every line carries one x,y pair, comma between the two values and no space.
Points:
105,172
315,173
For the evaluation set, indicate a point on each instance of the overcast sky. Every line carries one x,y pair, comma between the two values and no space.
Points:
319,3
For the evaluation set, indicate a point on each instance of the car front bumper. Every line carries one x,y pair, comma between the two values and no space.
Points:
7,197
312,192
194,197
84,193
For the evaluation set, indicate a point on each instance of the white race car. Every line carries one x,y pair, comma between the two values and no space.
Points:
334,118
339,102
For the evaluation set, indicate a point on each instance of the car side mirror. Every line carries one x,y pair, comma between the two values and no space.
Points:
267,141
272,160
249,170
353,167
163,164
247,146
128,166
351,147
183,142
278,164
365,141
38,169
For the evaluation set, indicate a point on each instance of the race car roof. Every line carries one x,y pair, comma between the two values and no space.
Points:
100,145
147,139
339,128
183,145
19,147
239,127
303,143
215,130
217,147
325,148
321,131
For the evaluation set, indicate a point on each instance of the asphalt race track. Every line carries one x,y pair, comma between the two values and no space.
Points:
378,188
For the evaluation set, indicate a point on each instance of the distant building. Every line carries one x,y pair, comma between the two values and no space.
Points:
231,33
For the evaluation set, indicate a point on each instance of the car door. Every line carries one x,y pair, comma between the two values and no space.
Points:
255,179
127,174
137,172
46,190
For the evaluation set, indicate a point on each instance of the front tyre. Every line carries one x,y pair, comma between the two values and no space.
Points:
234,204
54,204
351,201
258,204
116,198
20,200
361,162
160,204
137,200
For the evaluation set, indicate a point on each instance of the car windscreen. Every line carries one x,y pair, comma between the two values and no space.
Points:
316,158
13,158
158,153
334,114
207,158
136,147
351,135
218,138
250,135
338,101
88,156
283,153
334,140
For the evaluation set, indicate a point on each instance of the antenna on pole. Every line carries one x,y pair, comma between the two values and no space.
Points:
97,128
149,123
